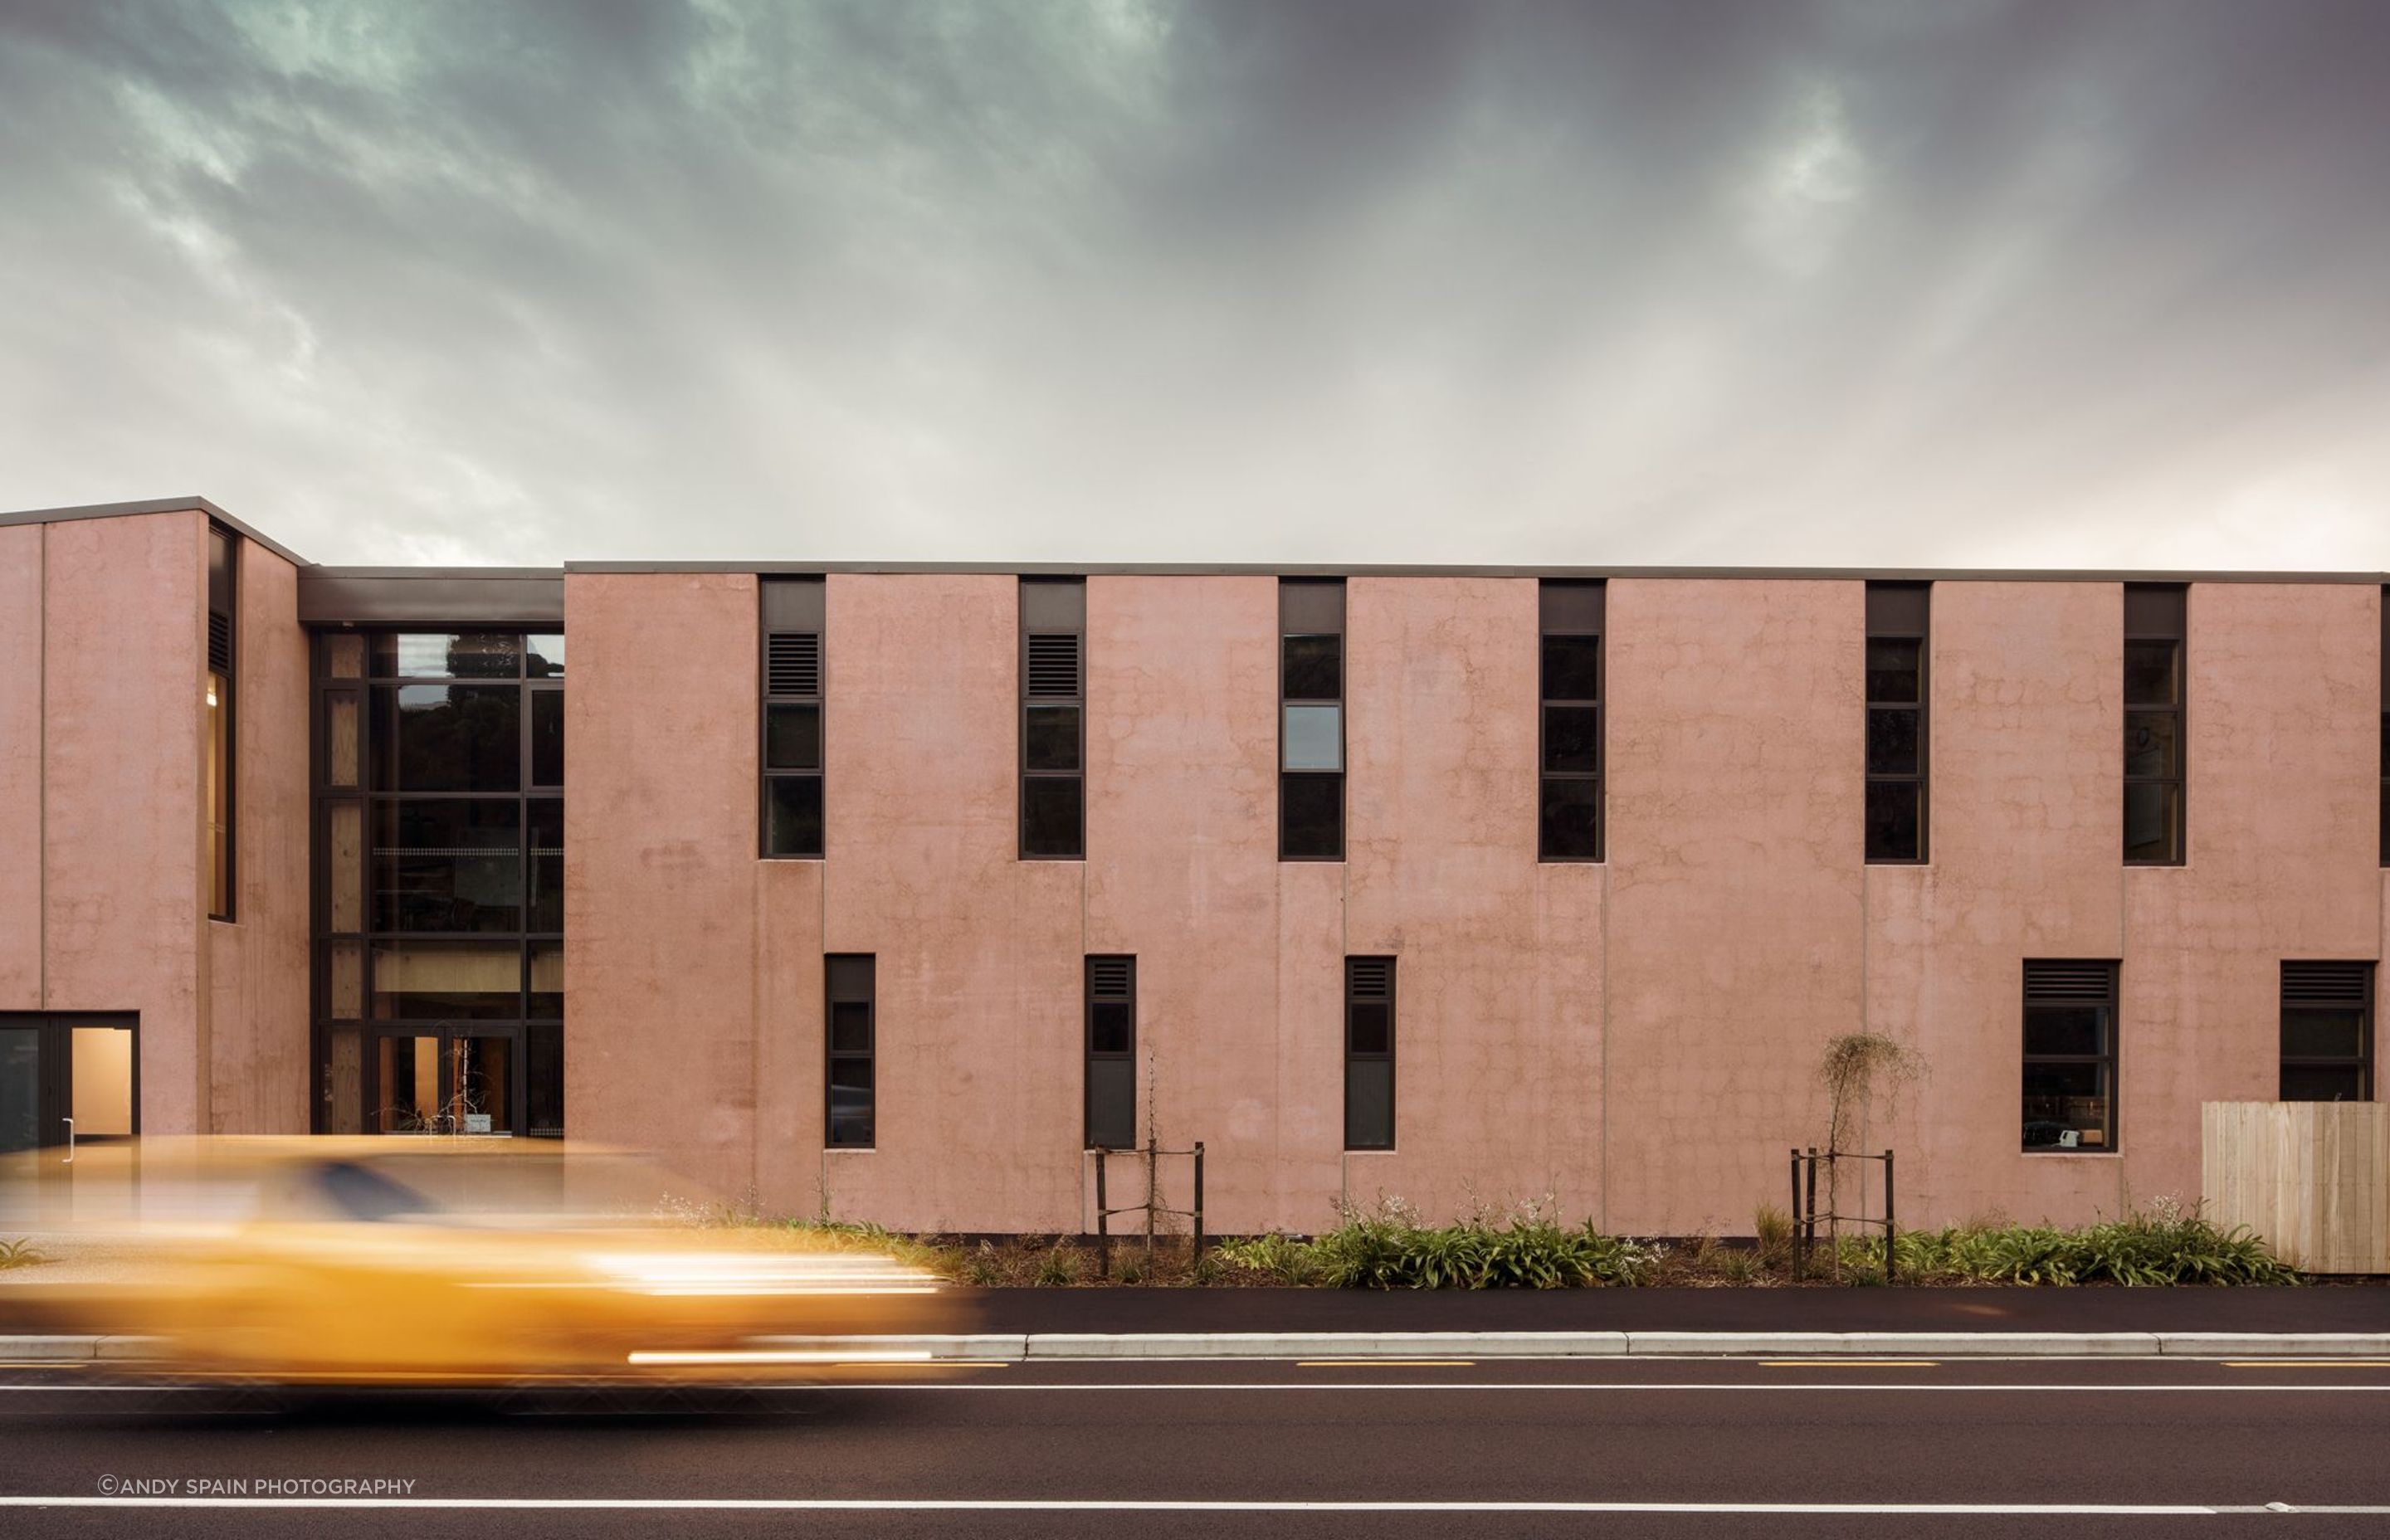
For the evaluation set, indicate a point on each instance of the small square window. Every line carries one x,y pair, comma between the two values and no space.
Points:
1571,820
1314,668
1572,668
1050,737
793,825
1572,737
1892,819
1311,817
793,737
1052,817
1314,738
1893,666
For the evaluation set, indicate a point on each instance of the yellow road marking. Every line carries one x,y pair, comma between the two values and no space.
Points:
1850,1363
1385,1363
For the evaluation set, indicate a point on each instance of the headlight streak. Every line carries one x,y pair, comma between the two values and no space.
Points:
715,1273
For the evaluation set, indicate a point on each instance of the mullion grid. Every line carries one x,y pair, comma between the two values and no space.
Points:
814,698
1369,983
1290,778
1101,990
1552,778
2360,999
1921,708
2173,715
2111,1027
371,797
861,966
1035,697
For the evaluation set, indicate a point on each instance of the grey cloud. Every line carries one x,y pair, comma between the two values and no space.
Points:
1843,281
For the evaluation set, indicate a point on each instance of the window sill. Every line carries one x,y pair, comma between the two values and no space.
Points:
2074,1154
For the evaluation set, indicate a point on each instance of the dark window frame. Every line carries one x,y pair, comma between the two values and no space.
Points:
2175,629
1096,992
1882,628
2328,986
370,796
832,1055
1285,777
818,603
1389,1058
223,818
1078,698
2053,985
1550,596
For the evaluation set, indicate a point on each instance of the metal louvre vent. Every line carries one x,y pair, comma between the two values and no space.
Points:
1369,978
2077,982
792,663
1110,977
219,642
2327,983
1054,666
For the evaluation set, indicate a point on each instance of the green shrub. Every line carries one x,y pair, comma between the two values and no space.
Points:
1060,1267
2162,1246
1279,1258
19,1253
1773,1228
1388,1249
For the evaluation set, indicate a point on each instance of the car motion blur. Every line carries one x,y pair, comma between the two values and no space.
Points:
455,1261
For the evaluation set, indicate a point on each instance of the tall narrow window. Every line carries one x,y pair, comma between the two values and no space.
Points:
852,1037
1311,719
2153,724
2070,1056
1569,817
1111,1053
792,717
1368,1053
1053,718
2327,1032
1897,652
223,556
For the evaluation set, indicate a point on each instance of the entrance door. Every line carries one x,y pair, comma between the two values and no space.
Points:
67,1083
446,1081
70,1107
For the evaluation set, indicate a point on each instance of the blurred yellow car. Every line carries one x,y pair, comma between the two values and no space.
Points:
463,1262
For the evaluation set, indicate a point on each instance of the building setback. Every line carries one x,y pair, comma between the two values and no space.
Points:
883,891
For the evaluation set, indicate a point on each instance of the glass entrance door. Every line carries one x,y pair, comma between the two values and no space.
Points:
448,1081
67,1081
70,1107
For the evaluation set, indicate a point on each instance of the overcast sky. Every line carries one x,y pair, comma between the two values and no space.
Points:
1860,282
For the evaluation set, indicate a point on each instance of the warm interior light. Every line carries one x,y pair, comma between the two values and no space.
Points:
211,693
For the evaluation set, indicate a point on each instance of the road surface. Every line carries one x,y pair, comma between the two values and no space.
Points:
1159,1450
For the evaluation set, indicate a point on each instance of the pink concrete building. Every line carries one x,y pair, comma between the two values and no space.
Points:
889,891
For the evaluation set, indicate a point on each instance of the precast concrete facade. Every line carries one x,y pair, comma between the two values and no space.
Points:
1632,1038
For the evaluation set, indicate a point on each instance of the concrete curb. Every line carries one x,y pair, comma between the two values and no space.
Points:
1056,1347
1065,1346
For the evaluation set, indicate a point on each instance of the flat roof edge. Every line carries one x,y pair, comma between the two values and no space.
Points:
154,504
1199,568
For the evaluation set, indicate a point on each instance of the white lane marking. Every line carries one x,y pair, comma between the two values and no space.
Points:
1337,1387
772,1355
1100,1505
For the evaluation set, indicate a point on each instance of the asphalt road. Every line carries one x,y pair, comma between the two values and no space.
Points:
1688,1446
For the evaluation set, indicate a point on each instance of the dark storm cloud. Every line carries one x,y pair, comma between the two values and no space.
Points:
1847,281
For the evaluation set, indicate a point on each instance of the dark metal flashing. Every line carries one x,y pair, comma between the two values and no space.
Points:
431,595
155,504
1264,569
